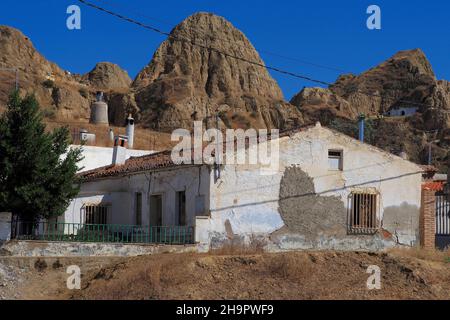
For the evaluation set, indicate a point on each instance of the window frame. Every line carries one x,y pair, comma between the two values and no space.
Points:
371,223
91,210
340,159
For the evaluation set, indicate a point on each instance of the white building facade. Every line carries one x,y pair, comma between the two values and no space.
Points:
329,192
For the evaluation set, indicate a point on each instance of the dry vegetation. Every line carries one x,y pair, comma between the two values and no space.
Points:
245,273
294,275
235,272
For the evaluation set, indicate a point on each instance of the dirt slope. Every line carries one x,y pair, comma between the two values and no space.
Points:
293,275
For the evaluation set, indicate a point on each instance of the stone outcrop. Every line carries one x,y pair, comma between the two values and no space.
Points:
185,82
107,76
63,96
405,80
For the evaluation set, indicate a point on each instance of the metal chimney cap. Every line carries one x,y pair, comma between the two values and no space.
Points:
99,96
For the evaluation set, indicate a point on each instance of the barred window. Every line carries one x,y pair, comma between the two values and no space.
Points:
363,208
95,214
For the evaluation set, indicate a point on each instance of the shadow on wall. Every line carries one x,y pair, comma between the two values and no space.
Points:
402,222
306,213
307,194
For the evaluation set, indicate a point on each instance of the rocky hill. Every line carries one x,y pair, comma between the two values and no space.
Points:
63,96
184,82
405,80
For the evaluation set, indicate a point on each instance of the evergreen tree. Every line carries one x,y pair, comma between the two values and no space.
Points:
35,182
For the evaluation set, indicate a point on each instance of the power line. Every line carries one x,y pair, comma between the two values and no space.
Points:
192,42
258,64
303,61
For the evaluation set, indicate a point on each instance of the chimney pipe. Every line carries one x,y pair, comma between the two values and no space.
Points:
111,134
130,131
119,150
99,96
361,123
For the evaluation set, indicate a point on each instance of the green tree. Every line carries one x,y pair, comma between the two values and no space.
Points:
35,181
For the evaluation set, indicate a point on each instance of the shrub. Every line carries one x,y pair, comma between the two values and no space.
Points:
48,83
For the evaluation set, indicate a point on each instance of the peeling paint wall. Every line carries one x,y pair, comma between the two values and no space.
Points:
120,192
304,204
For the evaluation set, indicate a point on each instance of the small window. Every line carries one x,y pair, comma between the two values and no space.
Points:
363,208
95,214
335,159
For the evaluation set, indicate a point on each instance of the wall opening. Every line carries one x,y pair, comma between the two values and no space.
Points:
156,210
138,208
335,160
363,210
181,208
96,214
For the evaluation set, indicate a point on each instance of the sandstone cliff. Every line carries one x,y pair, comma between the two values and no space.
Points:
63,96
184,82
405,80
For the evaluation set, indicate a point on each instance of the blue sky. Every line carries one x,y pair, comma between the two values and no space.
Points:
327,32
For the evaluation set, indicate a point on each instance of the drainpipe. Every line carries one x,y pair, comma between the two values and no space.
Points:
361,120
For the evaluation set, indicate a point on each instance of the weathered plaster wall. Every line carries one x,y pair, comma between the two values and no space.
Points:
75,249
120,194
248,203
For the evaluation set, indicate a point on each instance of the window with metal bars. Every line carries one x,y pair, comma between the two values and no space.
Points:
95,214
363,208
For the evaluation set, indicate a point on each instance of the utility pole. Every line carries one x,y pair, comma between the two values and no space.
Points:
430,157
217,148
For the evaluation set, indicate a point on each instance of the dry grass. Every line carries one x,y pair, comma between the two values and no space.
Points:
255,245
422,254
288,275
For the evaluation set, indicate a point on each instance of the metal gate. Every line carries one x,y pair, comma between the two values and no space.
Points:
442,220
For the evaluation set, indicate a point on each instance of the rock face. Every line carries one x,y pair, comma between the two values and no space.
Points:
184,82
322,105
405,80
62,96
107,76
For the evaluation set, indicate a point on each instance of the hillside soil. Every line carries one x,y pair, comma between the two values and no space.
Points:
405,274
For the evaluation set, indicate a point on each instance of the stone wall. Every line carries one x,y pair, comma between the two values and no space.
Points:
76,249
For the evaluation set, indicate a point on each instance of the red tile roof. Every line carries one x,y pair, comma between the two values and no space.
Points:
433,186
150,162
163,160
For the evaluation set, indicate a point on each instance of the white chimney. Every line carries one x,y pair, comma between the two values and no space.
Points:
130,131
119,150
111,134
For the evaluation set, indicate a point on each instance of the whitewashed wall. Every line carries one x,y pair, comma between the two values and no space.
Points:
248,201
96,157
120,192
